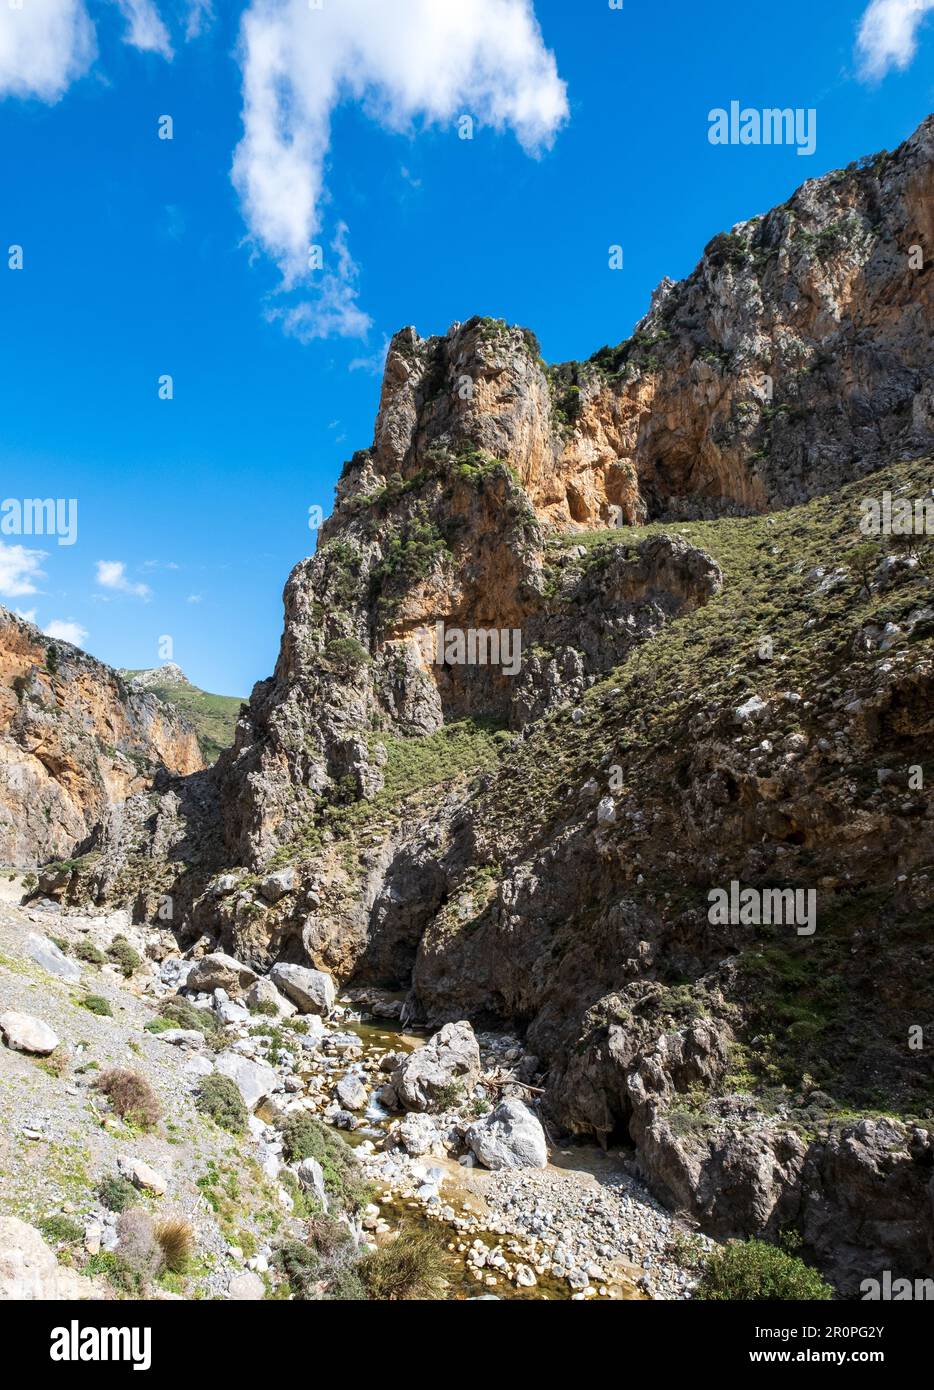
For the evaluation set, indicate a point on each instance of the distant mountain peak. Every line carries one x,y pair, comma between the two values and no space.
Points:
169,674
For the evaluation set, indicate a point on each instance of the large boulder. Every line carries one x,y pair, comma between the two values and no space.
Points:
312,990
509,1137
263,994
441,1073
30,1271
418,1135
24,1033
218,971
351,1092
254,1080
275,886
51,958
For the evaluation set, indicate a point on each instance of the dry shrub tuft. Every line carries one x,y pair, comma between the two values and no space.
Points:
131,1096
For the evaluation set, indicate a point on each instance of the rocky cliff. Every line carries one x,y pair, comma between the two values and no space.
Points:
75,740
718,680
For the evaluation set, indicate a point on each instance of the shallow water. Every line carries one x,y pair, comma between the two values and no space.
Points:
588,1161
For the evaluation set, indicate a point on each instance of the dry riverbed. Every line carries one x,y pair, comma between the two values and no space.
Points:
582,1227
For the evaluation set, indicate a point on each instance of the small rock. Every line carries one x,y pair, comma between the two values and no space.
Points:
141,1175
246,1288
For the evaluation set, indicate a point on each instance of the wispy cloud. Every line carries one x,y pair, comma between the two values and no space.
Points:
195,598
888,35
200,18
111,574
145,29
334,311
372,364
67,631
19,570
28,614
413,59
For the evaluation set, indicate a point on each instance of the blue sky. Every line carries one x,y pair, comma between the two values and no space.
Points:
144,257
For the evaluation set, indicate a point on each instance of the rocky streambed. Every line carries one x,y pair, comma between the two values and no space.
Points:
445,1126
579,1226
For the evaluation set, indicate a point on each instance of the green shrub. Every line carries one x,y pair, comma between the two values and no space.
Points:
159,1025
117,1192
220,1098
301,1266
264,1007
183,1014
305,1137
324,1265
122,953
407,1267
346,654
57,1229
87,951
752,1270
95,1004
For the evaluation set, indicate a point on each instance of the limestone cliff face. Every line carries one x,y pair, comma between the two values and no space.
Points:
74,741
797,356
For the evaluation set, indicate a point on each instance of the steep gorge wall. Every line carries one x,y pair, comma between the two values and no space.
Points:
75,740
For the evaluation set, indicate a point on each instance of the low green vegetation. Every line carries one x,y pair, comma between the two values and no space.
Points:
87,951
117,1192
96,1004
213,717
303,1136
61,1230
122,954
175,1012
753,1271
220,1099
410,1266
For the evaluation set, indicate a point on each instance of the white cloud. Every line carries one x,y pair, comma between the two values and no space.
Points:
334,312
200,17
145,28
19,570
413,59
195,598
27,614
888,34
111,574
374,363
44,47
66,631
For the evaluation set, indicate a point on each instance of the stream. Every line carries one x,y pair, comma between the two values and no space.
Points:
583,1228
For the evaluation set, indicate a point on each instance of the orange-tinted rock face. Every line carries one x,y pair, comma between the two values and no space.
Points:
74,741
796,357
